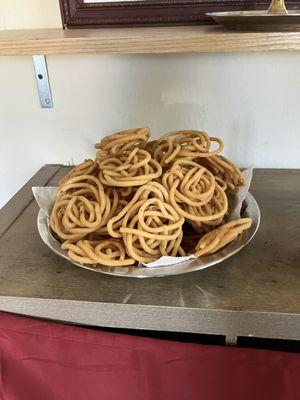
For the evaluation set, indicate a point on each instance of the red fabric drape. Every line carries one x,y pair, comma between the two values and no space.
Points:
41,360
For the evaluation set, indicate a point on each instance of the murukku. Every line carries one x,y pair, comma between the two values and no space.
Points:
194,193
130,204
210,214
88,167
109,252
185,144
81,207
120,142
73,217
131,168
117,203
84,185
148,225
225,171
218,238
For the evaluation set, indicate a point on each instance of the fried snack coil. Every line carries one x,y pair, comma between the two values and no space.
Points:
152,189
127,192
194,193
210,214
73,217
81,207
225,171
110,252
117,203
130,204
132,168
185,144
120,142
148,225
91,188
84,185
218,238
88,167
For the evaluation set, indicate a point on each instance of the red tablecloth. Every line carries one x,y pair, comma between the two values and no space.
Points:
41,360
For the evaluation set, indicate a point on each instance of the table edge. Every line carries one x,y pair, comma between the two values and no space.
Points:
158,318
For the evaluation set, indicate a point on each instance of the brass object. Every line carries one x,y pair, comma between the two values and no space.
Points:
277,7
276,18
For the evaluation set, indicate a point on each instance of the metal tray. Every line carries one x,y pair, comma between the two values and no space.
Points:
258,20
250,209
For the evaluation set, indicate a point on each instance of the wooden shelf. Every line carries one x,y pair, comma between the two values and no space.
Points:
176,39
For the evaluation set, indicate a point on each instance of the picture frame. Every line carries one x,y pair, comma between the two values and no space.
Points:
93,13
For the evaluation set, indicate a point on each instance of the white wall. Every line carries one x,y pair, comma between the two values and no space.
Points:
251,100
29,14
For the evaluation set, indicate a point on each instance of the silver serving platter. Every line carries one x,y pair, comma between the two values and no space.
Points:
258,20
250,209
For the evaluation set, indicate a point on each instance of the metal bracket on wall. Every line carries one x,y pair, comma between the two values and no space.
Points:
42,80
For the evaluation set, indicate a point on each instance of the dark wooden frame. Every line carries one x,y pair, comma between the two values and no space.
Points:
77,14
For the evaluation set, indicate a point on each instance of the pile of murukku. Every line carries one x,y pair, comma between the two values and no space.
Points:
139,200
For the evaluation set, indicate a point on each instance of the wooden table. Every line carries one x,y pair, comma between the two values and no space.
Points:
254,293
